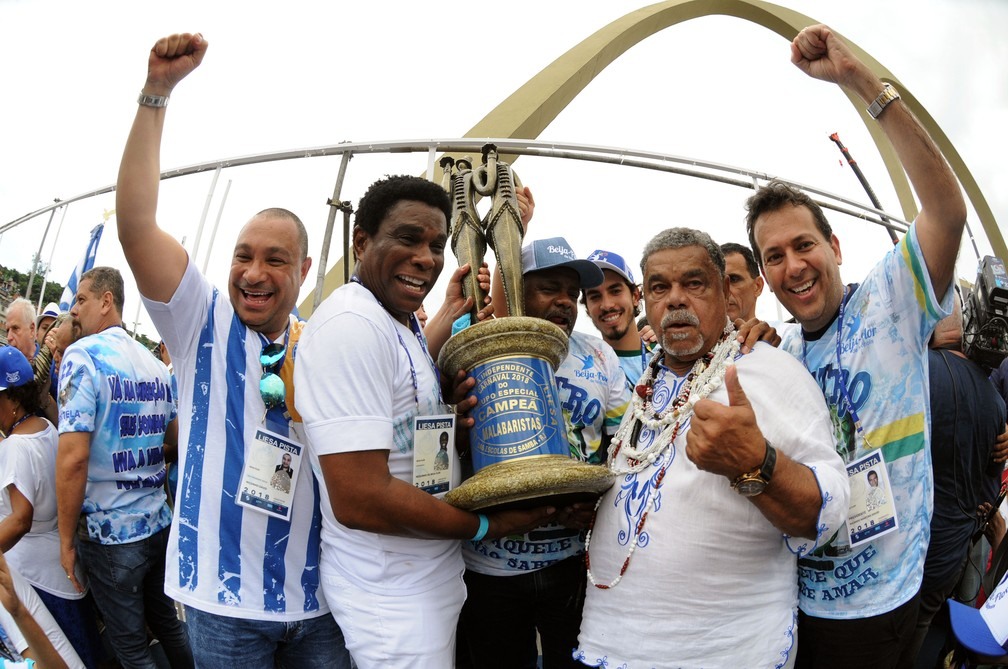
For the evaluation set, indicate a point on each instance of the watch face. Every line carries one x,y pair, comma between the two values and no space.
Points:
751,487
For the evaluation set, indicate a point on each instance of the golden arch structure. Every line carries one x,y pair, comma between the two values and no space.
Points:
527,111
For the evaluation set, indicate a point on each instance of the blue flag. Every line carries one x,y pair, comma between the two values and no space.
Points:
86,263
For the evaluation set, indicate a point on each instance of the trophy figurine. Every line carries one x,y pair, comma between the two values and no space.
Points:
519,447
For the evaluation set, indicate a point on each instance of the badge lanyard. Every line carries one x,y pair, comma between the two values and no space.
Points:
643,357
414,326
840,375
280,413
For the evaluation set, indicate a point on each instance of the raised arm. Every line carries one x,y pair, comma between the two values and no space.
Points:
818,52
157,259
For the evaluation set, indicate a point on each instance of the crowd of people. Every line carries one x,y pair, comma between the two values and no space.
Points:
805,496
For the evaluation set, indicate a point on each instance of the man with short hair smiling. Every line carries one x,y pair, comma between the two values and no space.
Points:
745,284
725,473
21,334
866,345
247,572
613,307
391,560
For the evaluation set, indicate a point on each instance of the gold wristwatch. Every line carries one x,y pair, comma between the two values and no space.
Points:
887,95
754,482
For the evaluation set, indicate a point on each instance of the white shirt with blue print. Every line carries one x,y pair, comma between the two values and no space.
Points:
887,322
711,582
114,388
593,396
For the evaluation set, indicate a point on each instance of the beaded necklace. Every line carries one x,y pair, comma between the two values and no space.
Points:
18,422
706,376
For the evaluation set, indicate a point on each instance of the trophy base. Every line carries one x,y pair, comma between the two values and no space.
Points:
532,481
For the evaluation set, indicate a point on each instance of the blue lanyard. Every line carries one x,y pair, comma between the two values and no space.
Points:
841,379
280,414
266,342
643,357
414,326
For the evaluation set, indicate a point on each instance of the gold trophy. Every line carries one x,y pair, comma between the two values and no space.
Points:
519,448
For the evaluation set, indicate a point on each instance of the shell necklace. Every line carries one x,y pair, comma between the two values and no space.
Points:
705,377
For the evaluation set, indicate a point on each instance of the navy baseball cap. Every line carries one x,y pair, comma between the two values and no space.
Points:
614,262
556,252
14,368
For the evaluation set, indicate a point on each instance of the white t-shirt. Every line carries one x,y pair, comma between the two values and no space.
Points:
712,583
224,558
28,461
29,598
356,392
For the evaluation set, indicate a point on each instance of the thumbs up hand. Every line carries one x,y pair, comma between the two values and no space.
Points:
723,439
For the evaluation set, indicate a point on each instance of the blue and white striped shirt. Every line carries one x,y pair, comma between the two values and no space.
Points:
224,558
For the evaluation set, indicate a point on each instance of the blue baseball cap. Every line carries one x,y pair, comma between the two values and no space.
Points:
14,368
556,252
983,630
614,262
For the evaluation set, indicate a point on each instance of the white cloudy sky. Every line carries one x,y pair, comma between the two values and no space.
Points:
303,74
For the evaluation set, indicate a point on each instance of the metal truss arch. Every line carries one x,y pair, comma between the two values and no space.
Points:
527,111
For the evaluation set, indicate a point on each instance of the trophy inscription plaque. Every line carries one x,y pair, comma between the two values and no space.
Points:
519,447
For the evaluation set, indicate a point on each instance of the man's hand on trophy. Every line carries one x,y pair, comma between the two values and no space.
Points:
457,304
576,516
519,521
459,389
526,206
484,281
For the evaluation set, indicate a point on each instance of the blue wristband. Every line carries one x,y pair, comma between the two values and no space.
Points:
483,527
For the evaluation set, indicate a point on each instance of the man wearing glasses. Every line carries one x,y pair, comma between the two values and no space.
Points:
243,556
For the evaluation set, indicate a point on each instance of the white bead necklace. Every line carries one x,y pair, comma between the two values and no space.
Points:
705,377
707,374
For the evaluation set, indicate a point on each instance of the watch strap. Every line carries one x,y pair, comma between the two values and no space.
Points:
762,474
156,101
766,470
887,95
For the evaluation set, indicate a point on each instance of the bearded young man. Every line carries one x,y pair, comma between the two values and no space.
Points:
726,473
613,307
